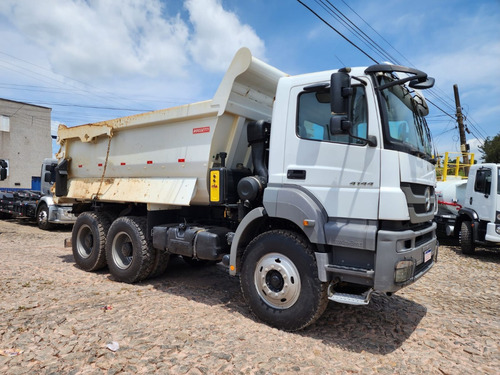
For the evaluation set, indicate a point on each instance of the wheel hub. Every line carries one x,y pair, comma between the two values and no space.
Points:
122,250
274,281
84,241
277,280
42,216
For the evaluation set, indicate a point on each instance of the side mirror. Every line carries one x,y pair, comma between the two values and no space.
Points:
47,177
339,124
340,93
3,169
62,178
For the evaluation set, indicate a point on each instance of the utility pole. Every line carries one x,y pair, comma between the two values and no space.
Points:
461,129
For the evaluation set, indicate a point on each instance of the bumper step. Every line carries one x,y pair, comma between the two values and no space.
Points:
350,299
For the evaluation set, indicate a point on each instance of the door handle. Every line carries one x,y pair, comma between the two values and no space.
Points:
470,200
296,174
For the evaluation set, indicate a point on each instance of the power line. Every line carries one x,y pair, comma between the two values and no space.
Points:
338,32
376,32
361,35
380,51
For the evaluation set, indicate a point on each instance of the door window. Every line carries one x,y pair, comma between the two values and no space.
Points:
314,113
483,181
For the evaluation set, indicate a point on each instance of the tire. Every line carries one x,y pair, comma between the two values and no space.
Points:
466,240
42,217
160,263
130,256
269,261
88,240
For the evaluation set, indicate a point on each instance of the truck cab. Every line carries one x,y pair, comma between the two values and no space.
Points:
479,218
47,212
363,179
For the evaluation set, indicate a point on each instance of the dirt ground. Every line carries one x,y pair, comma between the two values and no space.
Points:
58,319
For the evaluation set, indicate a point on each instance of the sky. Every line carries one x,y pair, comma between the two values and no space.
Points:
92,60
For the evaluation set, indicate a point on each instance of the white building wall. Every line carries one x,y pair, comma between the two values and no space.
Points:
24,141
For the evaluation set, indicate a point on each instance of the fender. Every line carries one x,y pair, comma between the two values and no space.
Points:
472,216
242,232
49,201
298,205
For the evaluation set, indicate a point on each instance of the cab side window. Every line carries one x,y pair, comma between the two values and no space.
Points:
483,181
314,114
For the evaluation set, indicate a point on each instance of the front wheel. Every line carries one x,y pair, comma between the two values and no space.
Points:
279,280
466,238
42,217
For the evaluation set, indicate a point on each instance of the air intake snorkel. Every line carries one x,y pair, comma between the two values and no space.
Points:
251,188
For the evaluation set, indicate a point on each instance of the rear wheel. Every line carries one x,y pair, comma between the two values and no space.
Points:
279,280
131,257
42,217
466,238
160,262
89,239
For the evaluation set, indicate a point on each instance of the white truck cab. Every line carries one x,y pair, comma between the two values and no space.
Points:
479,218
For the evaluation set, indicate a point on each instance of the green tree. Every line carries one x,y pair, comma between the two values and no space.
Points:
491,149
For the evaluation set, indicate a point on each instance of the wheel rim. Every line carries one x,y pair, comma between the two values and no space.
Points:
84,241
277,280
43,216
122,250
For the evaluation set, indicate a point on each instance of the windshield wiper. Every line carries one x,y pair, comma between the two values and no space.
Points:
421,155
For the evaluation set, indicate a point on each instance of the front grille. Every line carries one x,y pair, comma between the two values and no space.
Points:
421,201
420,240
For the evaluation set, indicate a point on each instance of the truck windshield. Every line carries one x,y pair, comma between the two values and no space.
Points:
405,127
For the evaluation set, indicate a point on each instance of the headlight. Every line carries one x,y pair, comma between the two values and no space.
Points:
404,271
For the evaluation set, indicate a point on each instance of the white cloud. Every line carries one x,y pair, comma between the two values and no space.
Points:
218,34
99,39
474,144
93,39
54,125
102,55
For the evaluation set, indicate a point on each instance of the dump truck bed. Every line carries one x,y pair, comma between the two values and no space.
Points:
162,157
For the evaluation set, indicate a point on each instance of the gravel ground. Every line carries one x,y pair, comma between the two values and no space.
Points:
59,319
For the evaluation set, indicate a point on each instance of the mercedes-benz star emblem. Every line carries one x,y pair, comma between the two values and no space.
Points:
427,196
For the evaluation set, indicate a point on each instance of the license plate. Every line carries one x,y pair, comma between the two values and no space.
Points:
427,255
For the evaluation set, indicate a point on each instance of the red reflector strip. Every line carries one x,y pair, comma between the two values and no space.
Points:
181,160
80,166
99,165
150,162
122,163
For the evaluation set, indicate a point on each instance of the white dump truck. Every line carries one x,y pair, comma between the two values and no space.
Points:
311,188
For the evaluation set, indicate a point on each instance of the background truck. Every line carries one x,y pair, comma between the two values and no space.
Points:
304,205
470,208
35,204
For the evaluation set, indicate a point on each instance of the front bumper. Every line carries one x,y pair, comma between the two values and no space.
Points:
61,215
414,249
491,233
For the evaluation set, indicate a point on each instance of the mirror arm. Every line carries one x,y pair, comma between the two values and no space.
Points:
371,140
